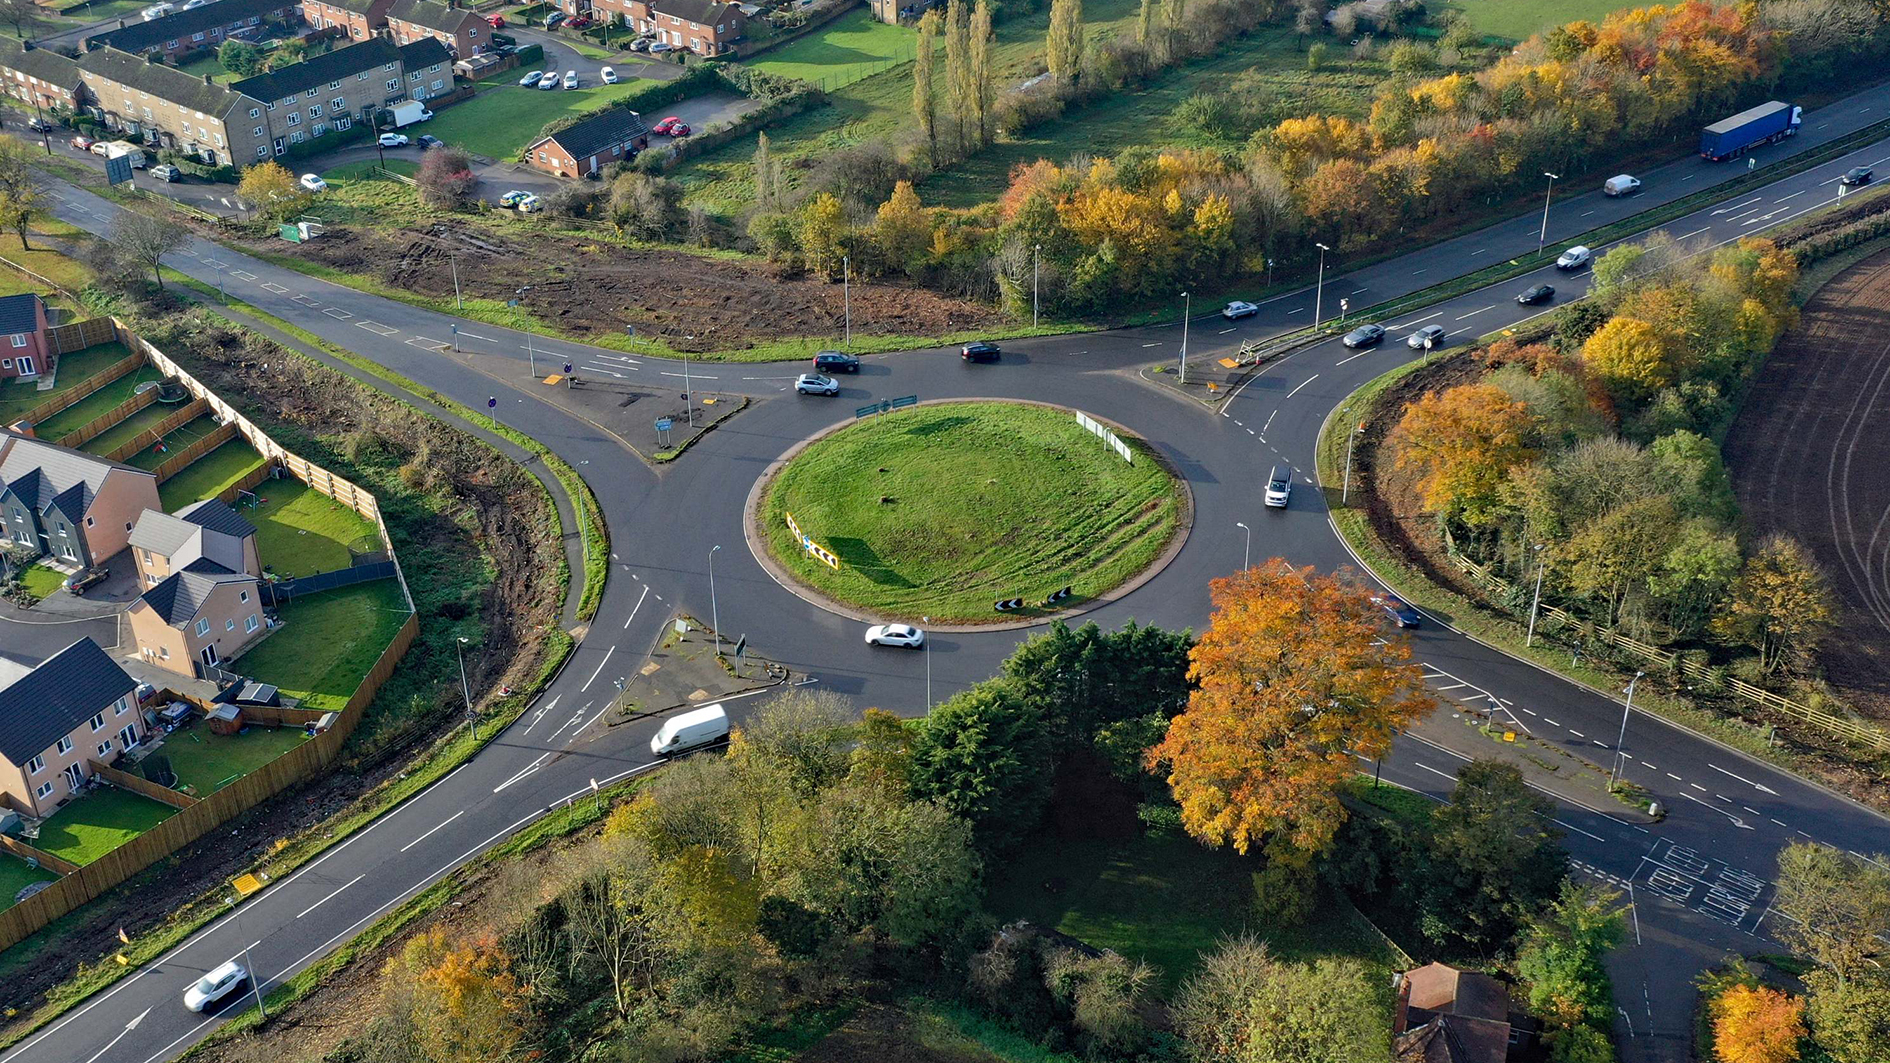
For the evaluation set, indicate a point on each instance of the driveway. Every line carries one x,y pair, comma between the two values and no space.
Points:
193,191
560,53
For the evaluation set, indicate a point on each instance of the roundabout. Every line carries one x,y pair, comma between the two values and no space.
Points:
944,511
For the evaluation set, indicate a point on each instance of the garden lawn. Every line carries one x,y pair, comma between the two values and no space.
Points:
16,876
1518,19
48,263
206,62
300,531
209,475
41,581
180,437
17,397
95,405
130,428
850,48
99,822
502,119
330,641
939,510
207,762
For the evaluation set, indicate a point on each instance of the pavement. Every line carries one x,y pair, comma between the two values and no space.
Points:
1699,879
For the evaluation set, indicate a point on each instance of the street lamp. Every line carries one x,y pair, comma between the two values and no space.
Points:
846,295
1319,293
1541,563
1187,303
1615,772
530,354
1246,553
255,983
1036,257
1345,492
715,615
459,650
1543,236
458,303
927,621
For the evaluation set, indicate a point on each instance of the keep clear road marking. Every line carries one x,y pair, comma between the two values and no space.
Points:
242,274
337,314
304,300
330,897
429,834
376,327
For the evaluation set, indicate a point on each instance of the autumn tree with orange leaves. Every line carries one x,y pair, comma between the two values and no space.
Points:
1462,444
1293,678
1757,1025
464,1004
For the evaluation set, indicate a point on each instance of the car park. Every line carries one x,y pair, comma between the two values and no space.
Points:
528,205
313,183
1856,175
1541,293
1238,309
215,987
570,79
549,80
82,143
394,140
1402,613
904,635
981,352
531,79
1364,336
1574,258
1279,486
511,198
607,75
1428,336
166,172
835,362
815,384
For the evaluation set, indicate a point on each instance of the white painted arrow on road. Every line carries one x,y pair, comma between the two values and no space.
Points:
1756,786
1737,822
130,1026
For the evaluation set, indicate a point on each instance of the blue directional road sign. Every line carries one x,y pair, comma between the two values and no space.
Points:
663,424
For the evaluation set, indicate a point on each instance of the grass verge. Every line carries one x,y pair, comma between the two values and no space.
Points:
40,581
502,119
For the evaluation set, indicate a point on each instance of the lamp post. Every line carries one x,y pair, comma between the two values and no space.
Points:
1036,261
715,615
530,353
465,691
255,983
1246,553
846,294
1543,236
1614,773
927,621
1345,492
1319,293
1530,639
1187,303
458,303
45,127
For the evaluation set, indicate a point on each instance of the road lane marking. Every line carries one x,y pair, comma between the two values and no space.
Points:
1157,343
1361,290
1434,771
1782,199
1743,779
1674,777
476,336
1576,733
330,897
270,286
1474,313
1478,251
1354,357
1695,232
338,315
691,376
605,661
1302,386
430,833
305,301
1296,310
1224,332
639,605
1577,830
1415,321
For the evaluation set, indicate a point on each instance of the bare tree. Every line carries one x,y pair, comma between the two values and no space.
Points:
22,15
146,240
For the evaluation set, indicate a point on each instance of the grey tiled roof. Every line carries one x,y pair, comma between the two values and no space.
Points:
615,125
700,12
431,14
19,313
45,475
216,515
164,82
319,70
161,533
423,53
70,688
42,63
182,25
178,598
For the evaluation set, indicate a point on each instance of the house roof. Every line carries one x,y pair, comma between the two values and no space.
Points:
216,515
359,7
1444,989
431,14
1453,1016
161,533
700,12
180,596
48,702
42,63
423,53
46,476
20,313
164,82
319,70
180,25
599,132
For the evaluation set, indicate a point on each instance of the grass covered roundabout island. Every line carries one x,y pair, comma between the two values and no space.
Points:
942,509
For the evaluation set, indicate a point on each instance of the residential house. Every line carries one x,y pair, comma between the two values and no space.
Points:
175,110
197,617
40,77
325,93
429,68
895,12
464,32
359,19
25,351
79,705
612,135
78,507
1444,1015
163,544
183,32
706,27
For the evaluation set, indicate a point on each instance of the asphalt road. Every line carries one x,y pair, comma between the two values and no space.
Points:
1699,877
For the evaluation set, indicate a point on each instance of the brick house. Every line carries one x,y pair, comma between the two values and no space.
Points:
325,93
197,617
79,705
39,77
614,135
359,19
184,32
462,31
163,543
75,506
429,68
24,350
706,27
175,110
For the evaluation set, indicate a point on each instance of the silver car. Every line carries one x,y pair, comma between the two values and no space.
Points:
1428,336
815,384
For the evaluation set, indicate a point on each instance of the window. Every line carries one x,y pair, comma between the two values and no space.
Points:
344,123
437,84
105,748
35,766
295,119
389,66
311,93
98,721
338,104
129,736
254,113
362,76
297,138
171,44
393,84
243,596
262,150
219,139
6,363
332,85
250,624
257,132
119,706
196,36
45,788
314,110
203,627
89,522
65,745
229,625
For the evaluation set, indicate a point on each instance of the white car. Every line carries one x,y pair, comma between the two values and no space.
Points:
1237,309
570,79
313,183
531,79
215,986
895,635
1574,258
549,80
1429,334
608,76
393,140
815,384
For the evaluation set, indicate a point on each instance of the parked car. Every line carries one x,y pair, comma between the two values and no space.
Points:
212,988
1856,175
82,143
552,20
549,80
394,140
1621,185
506,49
578,23
510,199
428,140
895,635
641,44
680,129
1364,336
531,79
102,147
1574,258
497,22
1541,293
313,183
664,125
570,79
607,76
815,384
980,351
166,172
1432,335
1279,486
1237,309
835,362
659,47
40,125
1400,612
528,205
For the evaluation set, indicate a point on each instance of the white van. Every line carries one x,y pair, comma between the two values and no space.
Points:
1621,185
691,730
1280,487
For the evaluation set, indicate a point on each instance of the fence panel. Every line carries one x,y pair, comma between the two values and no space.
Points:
175,464
78,335
57,864
127,781
73,395
108,420
166,425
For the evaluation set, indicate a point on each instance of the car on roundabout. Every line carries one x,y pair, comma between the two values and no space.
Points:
904,636
835,362
1400,611
815,384
981,351
1428,336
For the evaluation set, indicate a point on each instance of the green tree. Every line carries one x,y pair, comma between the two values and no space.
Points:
1615,555
822,228
271,188
1316,56
807,733
883,758
958,74
1579,1044
1781,605
767,180
1145,22
1562,953
20,197
984,755
1064,43
1246,1006
924,89
1692,577
907,869
1495,859
240,58
1850,1018
1695,477
982,90
1080,681
902,230
1837,908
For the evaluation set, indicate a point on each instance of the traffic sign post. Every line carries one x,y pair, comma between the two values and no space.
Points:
663,425
885,406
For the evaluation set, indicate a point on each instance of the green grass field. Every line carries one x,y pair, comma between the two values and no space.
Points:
41,581
300,531
130,428
16,398
850,48
504,118
178,438
99,822
1518,19
205,62
16,876
331,641
207,762
48,263
95,405
939,510
209,475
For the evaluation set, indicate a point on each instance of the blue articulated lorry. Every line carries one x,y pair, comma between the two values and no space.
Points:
1768,123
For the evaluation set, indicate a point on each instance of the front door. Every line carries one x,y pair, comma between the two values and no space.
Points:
26,365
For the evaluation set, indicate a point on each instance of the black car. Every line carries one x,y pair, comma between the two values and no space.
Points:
1402,613
1541,293
1856,175
427,140
1364,336
40,125
980,352
835,362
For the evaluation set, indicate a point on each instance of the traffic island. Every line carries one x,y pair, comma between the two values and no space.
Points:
967,514
690,665
1210,380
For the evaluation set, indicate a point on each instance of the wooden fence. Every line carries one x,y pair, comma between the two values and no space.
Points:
303,762
167,424
79,335
58,865
1851,730
248,483
137,784
71,396
174,464
108,420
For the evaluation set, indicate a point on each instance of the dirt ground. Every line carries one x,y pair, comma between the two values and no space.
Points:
1810,458
588,288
